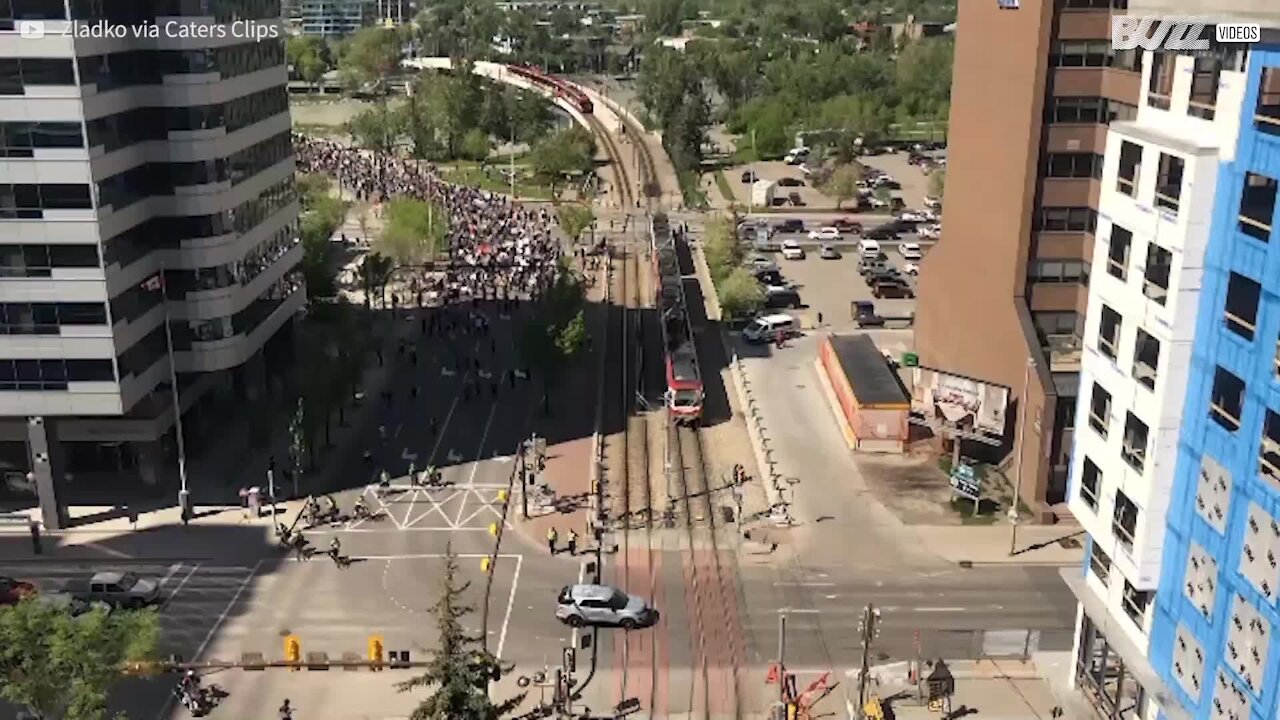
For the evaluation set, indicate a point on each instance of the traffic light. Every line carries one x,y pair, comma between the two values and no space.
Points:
293,651
375,651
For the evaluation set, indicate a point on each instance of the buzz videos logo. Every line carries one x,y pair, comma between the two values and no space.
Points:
31,29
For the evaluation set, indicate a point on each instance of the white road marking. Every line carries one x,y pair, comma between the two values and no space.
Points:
475,466
430,556
178,589
797,611
437,506
805,584
939,609
511,599
109,551
445,426
173,570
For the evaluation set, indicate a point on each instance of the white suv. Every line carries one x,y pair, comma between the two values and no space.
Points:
791,250
579,605
825,233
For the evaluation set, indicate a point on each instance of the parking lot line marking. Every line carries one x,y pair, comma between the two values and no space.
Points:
173,570
178,589
511,601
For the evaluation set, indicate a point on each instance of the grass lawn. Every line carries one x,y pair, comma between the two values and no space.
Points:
691,189
726,189
472,176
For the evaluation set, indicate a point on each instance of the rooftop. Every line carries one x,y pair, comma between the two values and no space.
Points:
873,382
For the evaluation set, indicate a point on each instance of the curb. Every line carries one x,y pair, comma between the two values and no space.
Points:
110,560
969,564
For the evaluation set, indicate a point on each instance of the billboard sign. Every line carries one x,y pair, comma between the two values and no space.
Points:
959,403
964,481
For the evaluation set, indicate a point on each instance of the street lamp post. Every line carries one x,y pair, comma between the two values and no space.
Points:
1017,474
184,496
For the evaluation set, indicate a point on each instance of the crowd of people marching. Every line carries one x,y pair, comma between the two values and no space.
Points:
497,249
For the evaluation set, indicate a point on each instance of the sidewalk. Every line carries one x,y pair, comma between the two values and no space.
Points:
989,545
989,689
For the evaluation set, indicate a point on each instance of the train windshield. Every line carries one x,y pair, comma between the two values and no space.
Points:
686,398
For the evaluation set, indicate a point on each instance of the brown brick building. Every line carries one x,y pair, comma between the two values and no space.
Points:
1034,86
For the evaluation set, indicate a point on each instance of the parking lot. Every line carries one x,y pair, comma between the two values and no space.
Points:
914,183
827,287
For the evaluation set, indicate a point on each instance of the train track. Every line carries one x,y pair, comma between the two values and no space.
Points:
648,171
626,192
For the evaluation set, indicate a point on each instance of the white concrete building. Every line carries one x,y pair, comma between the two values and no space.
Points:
122,159
1159,181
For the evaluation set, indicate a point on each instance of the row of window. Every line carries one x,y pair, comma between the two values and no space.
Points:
148,67
1094,53
52,374
1133,445
1073,165
155,123
46,318
115,11
1058,271
1168,194
1065,219
1155,270
29,202
1090,110
180,282
21,139
42,260
1093,4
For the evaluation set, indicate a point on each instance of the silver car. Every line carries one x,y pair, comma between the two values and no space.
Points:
579,605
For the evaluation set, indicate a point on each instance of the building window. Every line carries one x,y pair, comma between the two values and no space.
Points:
1169,182
1124,521
1267,115
1146,359
22,139
1160,83
42,260
1227,402
1130,166
1118,252
1257,206
1109,322
19,375
1058,271
1204,87
1077,110
1090,483
1095,4
1134,445
1073,165
1269,453
1156,273
17,73
1099,410
1241,312
1135,605
1120,111
1063,219
1059,328
47,318
1081,53
28,202
1099,563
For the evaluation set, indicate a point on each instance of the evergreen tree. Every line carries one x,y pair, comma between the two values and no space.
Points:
461,668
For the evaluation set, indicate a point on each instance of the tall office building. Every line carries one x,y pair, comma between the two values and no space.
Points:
1175,472
1035,84
146,184
336,18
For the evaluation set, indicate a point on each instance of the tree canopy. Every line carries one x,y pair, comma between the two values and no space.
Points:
842,182
371,56
62,666
563,153
574,219
413,231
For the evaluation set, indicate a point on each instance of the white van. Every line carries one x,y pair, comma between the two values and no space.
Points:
765,328
796,155
868,248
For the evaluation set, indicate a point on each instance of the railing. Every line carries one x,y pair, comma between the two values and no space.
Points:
1128,186
1204,110
1268,468
1267,113
1224,417
1160,101
1167,201
1116,268
1135,456
1154,291
1145,374
1108,347
1090,497
1098,423
1239,325
1123,534
1254,227
1136,613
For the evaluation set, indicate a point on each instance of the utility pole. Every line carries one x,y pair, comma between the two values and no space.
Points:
782,657
1017,477
870,618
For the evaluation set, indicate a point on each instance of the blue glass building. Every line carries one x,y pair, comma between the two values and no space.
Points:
1212,637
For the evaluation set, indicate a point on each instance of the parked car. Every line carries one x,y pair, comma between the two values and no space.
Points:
781,297
579,605
845,225
912,216
795,198
892,289
887,231
864,314
897,204
876,202
795,156
790,182
929,232
790,225
885,274
828,252
911,269
760,263
910,251
749,177
769,277
765,328
13,591
825,233
869,265
932,203
791,250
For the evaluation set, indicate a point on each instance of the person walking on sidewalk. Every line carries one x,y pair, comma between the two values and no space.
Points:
572,542
552,537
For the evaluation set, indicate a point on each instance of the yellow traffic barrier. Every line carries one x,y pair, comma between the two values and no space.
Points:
375,651
493,529
293,651
485,562
872,709
501,496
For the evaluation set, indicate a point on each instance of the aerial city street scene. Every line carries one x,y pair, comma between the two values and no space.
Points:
601,359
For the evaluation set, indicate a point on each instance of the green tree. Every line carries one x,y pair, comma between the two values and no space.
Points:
453,102
376,128
413,231
61,667
372,57
842,182
571,338
937,183
373,274
309,56
665,17
768,129
562,154
460,668
476,145
740,295
735,75
574,219
720,247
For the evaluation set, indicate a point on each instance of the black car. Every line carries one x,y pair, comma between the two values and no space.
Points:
845,225
888,231
790,182
769,277
790,225
749,177
795,198
882,275
782,298
892,289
